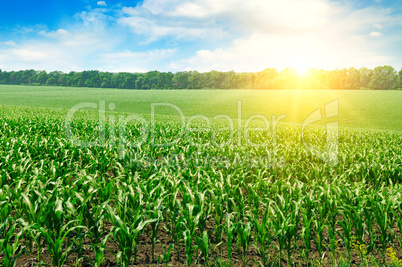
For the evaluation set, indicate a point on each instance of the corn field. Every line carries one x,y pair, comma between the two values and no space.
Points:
195,204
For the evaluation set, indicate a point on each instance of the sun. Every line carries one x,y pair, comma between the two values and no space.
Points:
302,64
301,67
302,70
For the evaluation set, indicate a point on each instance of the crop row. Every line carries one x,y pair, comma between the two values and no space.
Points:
266,204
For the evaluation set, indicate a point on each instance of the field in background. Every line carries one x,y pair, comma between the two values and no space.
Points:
357,109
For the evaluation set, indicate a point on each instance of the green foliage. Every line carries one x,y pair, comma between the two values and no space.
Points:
10,243
400,79
382,77
357,109
57,194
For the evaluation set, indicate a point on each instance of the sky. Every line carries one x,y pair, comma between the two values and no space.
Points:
202,35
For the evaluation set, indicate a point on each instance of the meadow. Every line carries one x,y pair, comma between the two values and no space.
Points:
366,109
119,192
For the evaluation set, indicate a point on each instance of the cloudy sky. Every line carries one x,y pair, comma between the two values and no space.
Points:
203,35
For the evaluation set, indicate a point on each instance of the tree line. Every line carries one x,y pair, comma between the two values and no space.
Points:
379,78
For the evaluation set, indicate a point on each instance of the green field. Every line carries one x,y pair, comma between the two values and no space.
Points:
357,108
207,195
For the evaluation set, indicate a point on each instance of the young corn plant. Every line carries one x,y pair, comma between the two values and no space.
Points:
190,224
381,214
244,236
369,221
358,224
263,235
99,251
285,228
60,244
332,239
91,212
306,236
218,216
127,235
173,219
318,229
229,229
10,243
346,235
399,224
279,227
156,215
203,245
239,203
165,257
291,234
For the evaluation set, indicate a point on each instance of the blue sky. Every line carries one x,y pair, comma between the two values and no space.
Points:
174,35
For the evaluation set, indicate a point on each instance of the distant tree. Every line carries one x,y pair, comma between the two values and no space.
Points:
400,79
62,80
365,77
236,80
33,77
384,78
51,81
266,79
151,80
181,80
55,78
196,80
165,80
288,78
353,79
242,81
42,77
120,79
139,82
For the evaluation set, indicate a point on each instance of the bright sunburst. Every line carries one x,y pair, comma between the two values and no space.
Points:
301,66
302,70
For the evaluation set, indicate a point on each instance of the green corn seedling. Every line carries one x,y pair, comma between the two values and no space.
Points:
127,235
244,235
229,229
203,245
57,242
10,243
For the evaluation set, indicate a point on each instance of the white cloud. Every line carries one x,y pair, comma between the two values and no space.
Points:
153,27
261,51
266,16
378,26
101,3
264,33
95,20
375,34
63,50
210,19
8,43
129,61
331,37
76,38
37,56
91,43
80,56
208,34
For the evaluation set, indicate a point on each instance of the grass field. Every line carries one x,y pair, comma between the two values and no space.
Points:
216,196
357,109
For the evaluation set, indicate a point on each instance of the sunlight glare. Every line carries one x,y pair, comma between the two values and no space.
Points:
301,67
